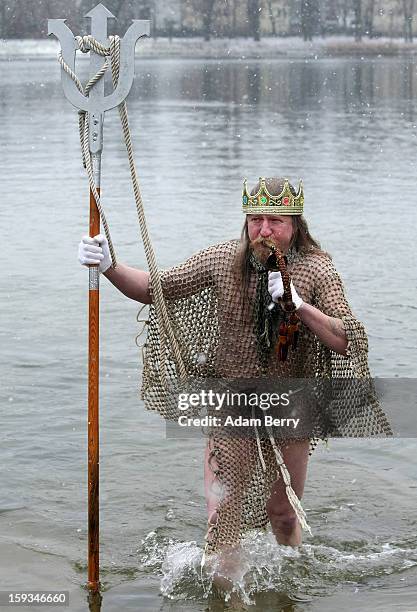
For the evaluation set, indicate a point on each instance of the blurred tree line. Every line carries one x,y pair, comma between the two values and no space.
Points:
221,18
21,19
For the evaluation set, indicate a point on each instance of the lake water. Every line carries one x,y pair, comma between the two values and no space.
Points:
348,128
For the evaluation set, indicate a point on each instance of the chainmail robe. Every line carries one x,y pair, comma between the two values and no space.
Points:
217,338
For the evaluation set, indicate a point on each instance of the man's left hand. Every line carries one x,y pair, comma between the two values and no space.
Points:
276,289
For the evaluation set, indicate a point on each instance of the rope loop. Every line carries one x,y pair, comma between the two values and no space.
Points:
89,43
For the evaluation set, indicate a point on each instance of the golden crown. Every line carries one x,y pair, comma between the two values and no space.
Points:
286,203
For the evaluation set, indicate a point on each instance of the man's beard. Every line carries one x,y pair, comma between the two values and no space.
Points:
263,251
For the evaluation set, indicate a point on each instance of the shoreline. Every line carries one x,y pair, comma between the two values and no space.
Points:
232,49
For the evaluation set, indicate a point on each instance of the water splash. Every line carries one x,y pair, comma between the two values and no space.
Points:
262,566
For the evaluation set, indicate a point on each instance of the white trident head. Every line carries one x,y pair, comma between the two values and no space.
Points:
96,103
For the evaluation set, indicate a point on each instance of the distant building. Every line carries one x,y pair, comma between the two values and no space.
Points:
167,16
331,16
276,17
228,17
388,18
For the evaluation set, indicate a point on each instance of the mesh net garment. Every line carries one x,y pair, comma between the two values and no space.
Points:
218,341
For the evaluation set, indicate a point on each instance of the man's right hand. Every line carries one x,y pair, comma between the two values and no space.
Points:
94,251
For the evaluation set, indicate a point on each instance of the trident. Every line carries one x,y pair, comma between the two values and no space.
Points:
93,102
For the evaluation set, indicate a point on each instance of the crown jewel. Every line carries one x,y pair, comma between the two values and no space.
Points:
286,203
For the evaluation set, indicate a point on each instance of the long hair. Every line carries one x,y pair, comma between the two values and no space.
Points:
302,241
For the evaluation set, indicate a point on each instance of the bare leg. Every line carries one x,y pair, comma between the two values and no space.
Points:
211,488
284,523
212,500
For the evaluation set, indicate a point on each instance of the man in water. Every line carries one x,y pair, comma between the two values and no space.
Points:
227,299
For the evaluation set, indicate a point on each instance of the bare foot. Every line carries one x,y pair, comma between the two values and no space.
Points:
226,567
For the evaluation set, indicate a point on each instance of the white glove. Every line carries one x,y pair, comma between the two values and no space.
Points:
276,289
94,251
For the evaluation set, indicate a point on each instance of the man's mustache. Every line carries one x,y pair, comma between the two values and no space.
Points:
266,243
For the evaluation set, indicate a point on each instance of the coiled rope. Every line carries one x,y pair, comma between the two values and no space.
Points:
86,44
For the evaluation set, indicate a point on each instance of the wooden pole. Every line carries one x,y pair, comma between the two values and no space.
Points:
93,411
96,103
